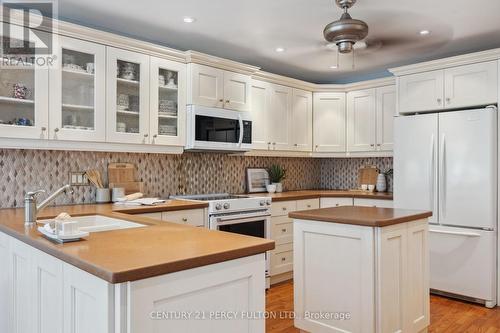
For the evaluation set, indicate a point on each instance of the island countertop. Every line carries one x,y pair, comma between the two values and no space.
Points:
364,216
138,253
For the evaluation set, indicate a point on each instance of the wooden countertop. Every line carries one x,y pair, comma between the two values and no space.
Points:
313,194
133,254
365,216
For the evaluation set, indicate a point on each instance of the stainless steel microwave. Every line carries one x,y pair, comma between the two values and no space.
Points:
217,129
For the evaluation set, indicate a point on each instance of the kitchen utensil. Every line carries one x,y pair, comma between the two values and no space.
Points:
121,173
368,175
94,176
102,195
116,193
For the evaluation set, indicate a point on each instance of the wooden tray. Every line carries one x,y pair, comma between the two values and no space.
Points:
121,173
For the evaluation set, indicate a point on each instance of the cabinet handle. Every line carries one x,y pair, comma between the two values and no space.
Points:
448,100
379,144
56,129
146,135
184,219
228,101
283,259
439,100
372,145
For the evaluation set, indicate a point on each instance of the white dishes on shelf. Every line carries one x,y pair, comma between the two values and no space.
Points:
168,130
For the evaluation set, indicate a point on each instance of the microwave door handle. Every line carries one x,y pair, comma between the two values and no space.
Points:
240,140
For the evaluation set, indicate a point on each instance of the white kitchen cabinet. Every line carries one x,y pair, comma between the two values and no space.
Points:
386,110
301,120
471,85
282,259
421,92
280,118
307,204
236,91
24,114
4,283
261,109
193,217
329,122
361,126
282,230
373,202
213,87
77,91
167,109
335,202
127,89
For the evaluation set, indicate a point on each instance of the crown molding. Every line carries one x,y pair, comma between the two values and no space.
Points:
213,61
460,60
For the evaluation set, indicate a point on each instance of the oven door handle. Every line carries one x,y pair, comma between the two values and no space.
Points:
240,120
240,219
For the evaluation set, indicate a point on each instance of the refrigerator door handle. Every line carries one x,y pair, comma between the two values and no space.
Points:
442,177
431,174
457,233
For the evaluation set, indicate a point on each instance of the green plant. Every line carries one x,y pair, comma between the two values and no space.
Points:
276,173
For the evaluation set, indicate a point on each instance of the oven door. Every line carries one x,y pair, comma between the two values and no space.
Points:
218,129
251,224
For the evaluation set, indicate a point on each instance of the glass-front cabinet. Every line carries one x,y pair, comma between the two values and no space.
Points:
168,102
23,92
77,96
127,96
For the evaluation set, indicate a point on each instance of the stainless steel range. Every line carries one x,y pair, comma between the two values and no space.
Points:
241,214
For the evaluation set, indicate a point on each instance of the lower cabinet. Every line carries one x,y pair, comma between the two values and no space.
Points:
335,202
193,217
373,203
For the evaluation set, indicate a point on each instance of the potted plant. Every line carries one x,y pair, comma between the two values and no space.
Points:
276,174
382,180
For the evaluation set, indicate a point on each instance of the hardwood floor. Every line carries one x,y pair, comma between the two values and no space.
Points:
447,315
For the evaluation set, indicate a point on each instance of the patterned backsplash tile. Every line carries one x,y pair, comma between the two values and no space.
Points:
163,175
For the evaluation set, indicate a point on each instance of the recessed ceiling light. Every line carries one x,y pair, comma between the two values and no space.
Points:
280,49
424,32
188,19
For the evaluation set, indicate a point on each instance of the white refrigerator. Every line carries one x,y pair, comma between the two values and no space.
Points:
447,162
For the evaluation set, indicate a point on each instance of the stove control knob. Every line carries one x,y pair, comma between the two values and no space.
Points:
218,206
268,202
226,205
262,203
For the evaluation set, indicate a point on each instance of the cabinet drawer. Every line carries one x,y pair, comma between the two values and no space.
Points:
335,202
156,215
307,204
282,259
373,203
282,229
194,217
282,208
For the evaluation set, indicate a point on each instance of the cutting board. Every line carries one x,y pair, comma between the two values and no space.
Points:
368,175
121,173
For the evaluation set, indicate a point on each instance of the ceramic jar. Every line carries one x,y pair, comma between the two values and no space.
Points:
381,183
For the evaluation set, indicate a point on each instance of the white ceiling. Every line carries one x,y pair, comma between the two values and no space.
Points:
249,30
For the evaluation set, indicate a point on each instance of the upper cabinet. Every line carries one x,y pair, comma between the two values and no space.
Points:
167,110
261,98
329,128
370,118
451,88
24,98
301,120
77,93
127,91
361,132
280,117
214,87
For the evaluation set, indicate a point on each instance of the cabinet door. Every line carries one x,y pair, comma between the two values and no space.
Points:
4,283
386,110
421,92
335,202
237,91
329,127
261,116
280,120
77,92
127,96
193,217
24,90
206,86
471,85
361,120
282,259
302,120
167,102
373,203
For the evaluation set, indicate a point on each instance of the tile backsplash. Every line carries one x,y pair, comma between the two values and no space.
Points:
163,175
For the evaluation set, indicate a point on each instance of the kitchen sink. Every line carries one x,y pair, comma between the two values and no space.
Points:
96,223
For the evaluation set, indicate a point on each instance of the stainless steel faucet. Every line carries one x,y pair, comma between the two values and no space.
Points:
31,208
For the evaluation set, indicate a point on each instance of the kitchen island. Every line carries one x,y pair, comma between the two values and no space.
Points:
158,277
361,269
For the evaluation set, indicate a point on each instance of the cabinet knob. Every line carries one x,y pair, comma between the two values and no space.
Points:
378,144
448,100
274,143
221,100
296,145
372,145
56,129
283,259
284,208
439,100
308,206
43,129
336,205
269,143
155,136
228,101
283,230
184,219
146,135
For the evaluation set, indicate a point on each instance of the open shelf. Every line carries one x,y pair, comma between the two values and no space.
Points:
12,100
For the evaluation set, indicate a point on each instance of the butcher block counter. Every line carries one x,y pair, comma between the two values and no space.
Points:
127,277
361,269
314,194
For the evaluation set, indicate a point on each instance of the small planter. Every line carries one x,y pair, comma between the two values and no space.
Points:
276,174
279,187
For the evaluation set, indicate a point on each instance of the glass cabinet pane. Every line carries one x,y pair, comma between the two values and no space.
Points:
78,89
167,102
128,97
17,92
